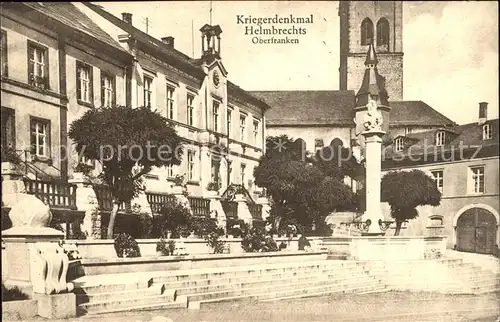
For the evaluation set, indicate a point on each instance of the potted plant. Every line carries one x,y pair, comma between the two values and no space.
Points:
213,188
180,184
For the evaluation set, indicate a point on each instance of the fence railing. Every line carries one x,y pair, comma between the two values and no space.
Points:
105,199
158,200
55,194
230,209
199,206
255,211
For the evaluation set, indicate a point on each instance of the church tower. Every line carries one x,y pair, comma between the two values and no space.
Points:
364,22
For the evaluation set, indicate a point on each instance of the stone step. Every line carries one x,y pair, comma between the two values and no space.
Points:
345,286
155,289
167,277
305,292
180,302
294,280
376,289
131,301
267,289
271,276
113,284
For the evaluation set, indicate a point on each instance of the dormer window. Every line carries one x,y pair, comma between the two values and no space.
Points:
440,138
487,132
398,144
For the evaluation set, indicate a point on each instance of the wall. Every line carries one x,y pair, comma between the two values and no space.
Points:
27,100
78,52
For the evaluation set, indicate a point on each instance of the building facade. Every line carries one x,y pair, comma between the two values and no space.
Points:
463,161
53,70
222,126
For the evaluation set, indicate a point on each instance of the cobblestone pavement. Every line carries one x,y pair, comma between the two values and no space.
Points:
389,306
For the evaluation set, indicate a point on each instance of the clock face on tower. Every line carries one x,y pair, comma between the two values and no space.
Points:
216,79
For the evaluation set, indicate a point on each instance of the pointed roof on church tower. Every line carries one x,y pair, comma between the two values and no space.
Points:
373,84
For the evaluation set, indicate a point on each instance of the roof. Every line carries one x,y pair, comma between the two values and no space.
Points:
302,108
461,138
236,91
173,56
416,113
176,57
69,15
308,107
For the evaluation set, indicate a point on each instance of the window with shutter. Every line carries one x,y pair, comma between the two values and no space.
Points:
38,64
3,54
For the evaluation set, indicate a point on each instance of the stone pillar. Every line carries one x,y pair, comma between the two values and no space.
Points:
243,212
86,200
36,263
141,202
12,184
266,207
373,155
205,163
217,212
178,193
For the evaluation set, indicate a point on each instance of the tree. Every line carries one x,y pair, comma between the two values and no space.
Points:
303,189
405,191
128,143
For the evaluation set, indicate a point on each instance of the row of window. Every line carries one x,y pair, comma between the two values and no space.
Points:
192,166
441,136
475,179
38,74
216,112
382,32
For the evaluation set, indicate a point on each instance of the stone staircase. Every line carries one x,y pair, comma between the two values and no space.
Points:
195,288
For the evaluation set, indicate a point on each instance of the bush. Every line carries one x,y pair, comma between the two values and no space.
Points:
175,218
204,226
237,228
126,246
12,294
214,242
256,240
165,247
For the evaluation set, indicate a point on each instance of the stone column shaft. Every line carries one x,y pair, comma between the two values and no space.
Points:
373,155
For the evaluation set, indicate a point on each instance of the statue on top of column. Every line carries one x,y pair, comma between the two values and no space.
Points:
373,119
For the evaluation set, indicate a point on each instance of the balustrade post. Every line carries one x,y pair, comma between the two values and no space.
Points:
86,201
243,211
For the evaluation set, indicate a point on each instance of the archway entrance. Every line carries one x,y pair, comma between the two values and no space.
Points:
476,231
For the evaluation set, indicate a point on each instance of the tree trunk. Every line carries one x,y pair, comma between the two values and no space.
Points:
112,217
277,221
398,228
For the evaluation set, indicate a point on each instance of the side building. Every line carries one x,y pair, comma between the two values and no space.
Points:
463,160
222,125
56,64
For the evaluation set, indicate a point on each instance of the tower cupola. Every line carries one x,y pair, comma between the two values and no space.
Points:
210,41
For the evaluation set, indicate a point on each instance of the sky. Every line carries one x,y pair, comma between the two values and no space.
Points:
450,48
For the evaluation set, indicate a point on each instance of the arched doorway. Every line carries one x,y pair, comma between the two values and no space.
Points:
476,231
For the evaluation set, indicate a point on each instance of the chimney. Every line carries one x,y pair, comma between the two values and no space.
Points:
483,113
169,41
127,17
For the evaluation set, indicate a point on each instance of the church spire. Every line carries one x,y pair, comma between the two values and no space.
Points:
373,85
